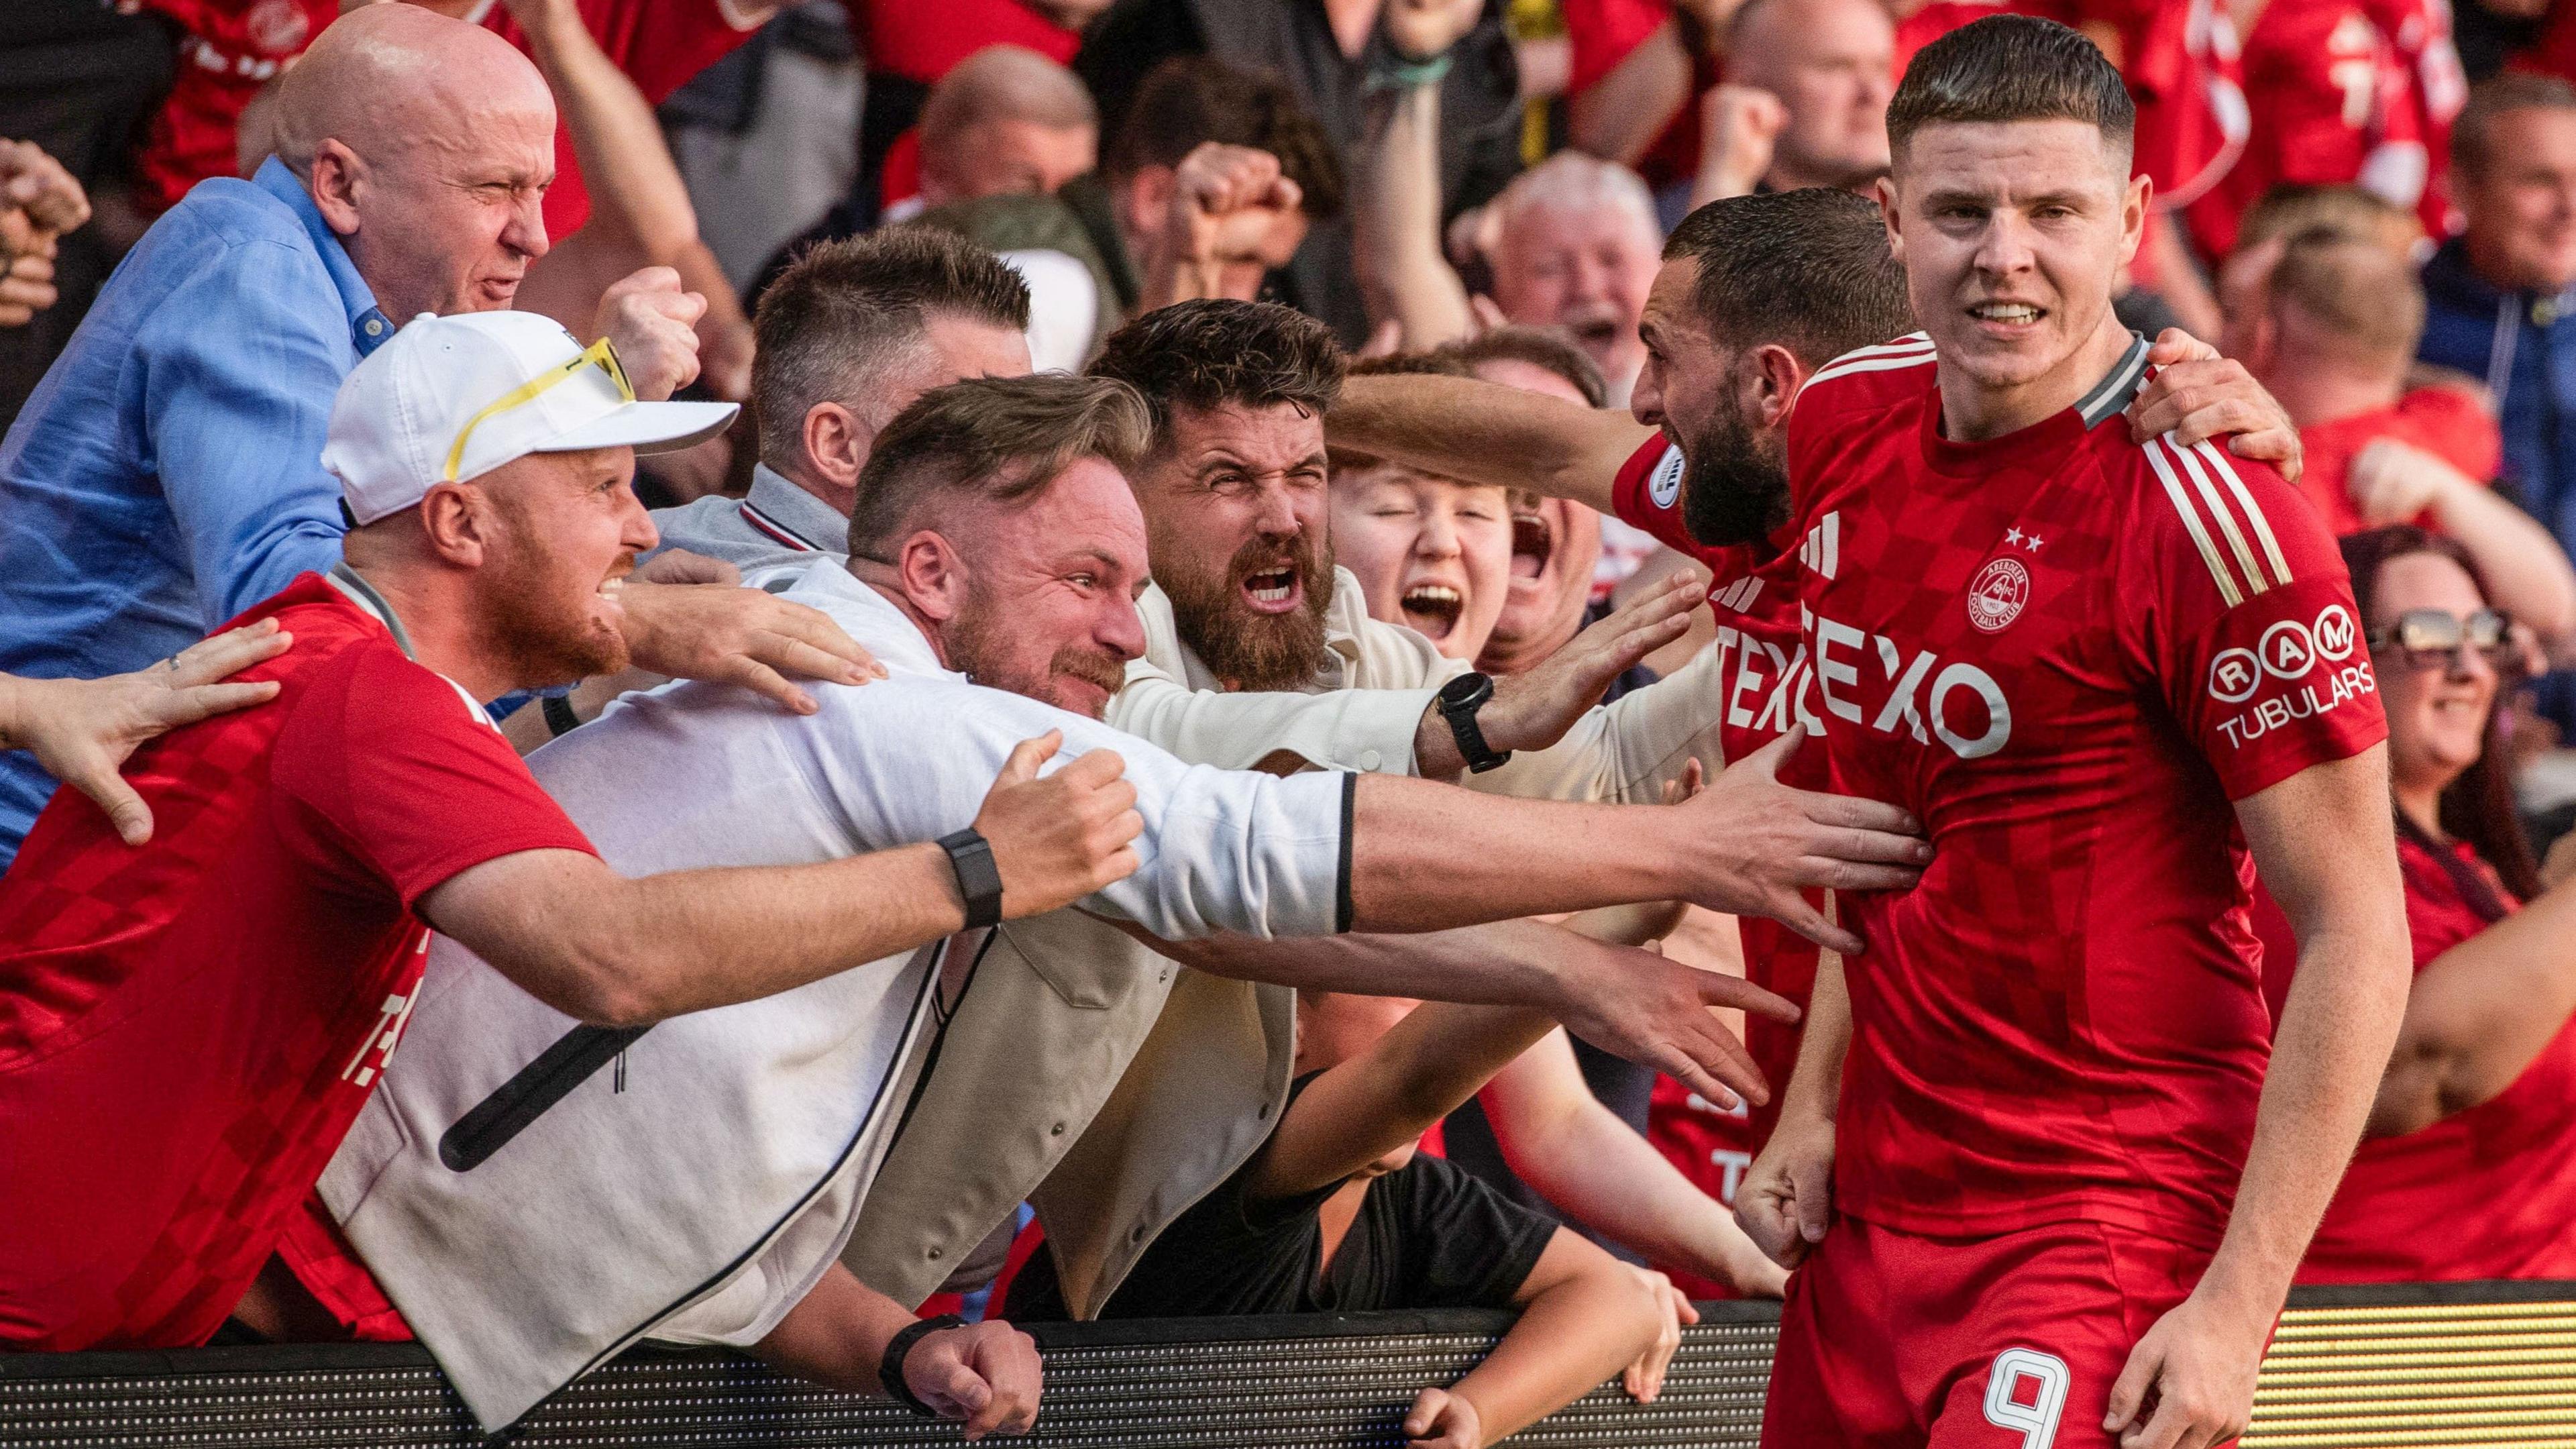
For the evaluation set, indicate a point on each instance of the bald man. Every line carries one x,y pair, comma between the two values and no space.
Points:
167,474
1805,102
1005,120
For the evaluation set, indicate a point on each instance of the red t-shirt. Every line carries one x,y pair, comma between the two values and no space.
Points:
2330,105
923,42
1753,594
1599,34
660,44
2489,1192
1712,1146
2442,421
2067,653
228,49
2419,31
188,1029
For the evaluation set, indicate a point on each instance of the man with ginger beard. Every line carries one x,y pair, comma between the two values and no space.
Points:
222,1001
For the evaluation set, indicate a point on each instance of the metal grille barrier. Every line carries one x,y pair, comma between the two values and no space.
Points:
2401,1367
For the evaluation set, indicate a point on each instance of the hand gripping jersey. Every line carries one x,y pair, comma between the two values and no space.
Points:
1753,593
2067,653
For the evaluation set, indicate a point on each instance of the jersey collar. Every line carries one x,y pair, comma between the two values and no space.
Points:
2111,395
363,594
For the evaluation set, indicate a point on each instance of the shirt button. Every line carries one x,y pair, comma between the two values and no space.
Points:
1265,1111
1369,759
1056,1131
375,327
934,1255
1136,1234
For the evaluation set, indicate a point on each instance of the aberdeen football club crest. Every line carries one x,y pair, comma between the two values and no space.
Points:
1997,594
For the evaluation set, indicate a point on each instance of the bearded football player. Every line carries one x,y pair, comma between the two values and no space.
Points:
2041,1184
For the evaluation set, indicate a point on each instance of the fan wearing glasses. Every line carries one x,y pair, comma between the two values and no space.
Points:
2468,1168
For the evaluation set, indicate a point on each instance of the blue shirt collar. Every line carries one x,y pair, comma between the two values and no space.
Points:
368,327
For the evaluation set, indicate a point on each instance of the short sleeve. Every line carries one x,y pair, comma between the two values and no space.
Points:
400,780
1464,1244
2236,602
1647,494
1602,33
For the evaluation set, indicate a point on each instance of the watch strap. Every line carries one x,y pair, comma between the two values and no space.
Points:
979,880
1472,747
559,716
890,1368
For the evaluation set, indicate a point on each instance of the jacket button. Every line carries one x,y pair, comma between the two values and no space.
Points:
1265,1111
934,1255
1056,1131
1369,759
1136,1234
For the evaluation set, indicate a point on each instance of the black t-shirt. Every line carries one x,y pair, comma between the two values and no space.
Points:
1428,1235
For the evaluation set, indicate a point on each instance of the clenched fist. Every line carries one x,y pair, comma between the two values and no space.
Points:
986,1374
652,321
1058,839
1232,204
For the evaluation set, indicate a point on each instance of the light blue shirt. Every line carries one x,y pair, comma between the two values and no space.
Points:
167,473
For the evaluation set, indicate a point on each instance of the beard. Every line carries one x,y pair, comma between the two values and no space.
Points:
1251,651
978,645
538,613
1735,486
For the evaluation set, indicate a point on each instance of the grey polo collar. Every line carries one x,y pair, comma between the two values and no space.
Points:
363,594
790,517
2115,389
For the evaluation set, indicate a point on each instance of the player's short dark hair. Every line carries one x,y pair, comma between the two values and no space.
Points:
1545,348
1807,269
2472,135
1210,352
996,439
845,312
1189,100
2011,68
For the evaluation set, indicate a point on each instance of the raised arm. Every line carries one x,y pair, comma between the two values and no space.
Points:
619,952
2322,842
1485,432
2479,1013
1395,212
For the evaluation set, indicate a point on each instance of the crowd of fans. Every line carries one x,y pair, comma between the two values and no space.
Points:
1114,469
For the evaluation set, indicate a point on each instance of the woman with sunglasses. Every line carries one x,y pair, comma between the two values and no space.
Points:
2469,1166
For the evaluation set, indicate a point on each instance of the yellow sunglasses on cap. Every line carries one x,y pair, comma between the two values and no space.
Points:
599,352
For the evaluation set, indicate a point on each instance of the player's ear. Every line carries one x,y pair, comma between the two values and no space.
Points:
2133,216
1885,191
1773,376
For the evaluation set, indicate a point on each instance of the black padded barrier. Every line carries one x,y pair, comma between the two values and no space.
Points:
2405,1367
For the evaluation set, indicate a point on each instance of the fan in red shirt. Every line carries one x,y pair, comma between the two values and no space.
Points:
2029,1167
2332,102
188,1028
2470,1159
228,49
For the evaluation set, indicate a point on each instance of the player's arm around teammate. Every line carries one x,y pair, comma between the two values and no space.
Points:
2320,841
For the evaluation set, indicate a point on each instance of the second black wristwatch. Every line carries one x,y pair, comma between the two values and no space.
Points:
1458,701
978,879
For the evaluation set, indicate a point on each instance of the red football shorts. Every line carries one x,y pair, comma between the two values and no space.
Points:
1891,1340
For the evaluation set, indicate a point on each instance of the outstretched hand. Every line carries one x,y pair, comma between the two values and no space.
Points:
987,1374
1760,845
1533,710
82,730
738,636
1655,1012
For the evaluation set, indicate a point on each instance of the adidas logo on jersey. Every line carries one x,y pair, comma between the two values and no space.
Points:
1739,596
1823,549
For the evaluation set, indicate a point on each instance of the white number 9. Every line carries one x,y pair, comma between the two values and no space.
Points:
2036,1420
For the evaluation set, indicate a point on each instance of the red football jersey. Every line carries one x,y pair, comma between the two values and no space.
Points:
1761,645
2331,105
660,44
1712,1146
2499,1179
188,1028
2066,652
2419,31
2443,421
228,49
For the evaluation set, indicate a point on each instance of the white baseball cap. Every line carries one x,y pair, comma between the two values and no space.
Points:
448,399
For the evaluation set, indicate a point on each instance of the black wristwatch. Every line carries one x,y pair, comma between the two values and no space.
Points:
1458,701
978,879
890,1368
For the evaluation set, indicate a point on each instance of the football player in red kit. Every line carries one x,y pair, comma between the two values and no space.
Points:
1756,294
2041,1186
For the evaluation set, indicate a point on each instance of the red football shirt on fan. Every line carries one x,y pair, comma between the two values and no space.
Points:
1930,21
2489,1192
2066,653
2420,33
2442,421
1760,647
660,44
1599,35
228,49
188,1028
2330,106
